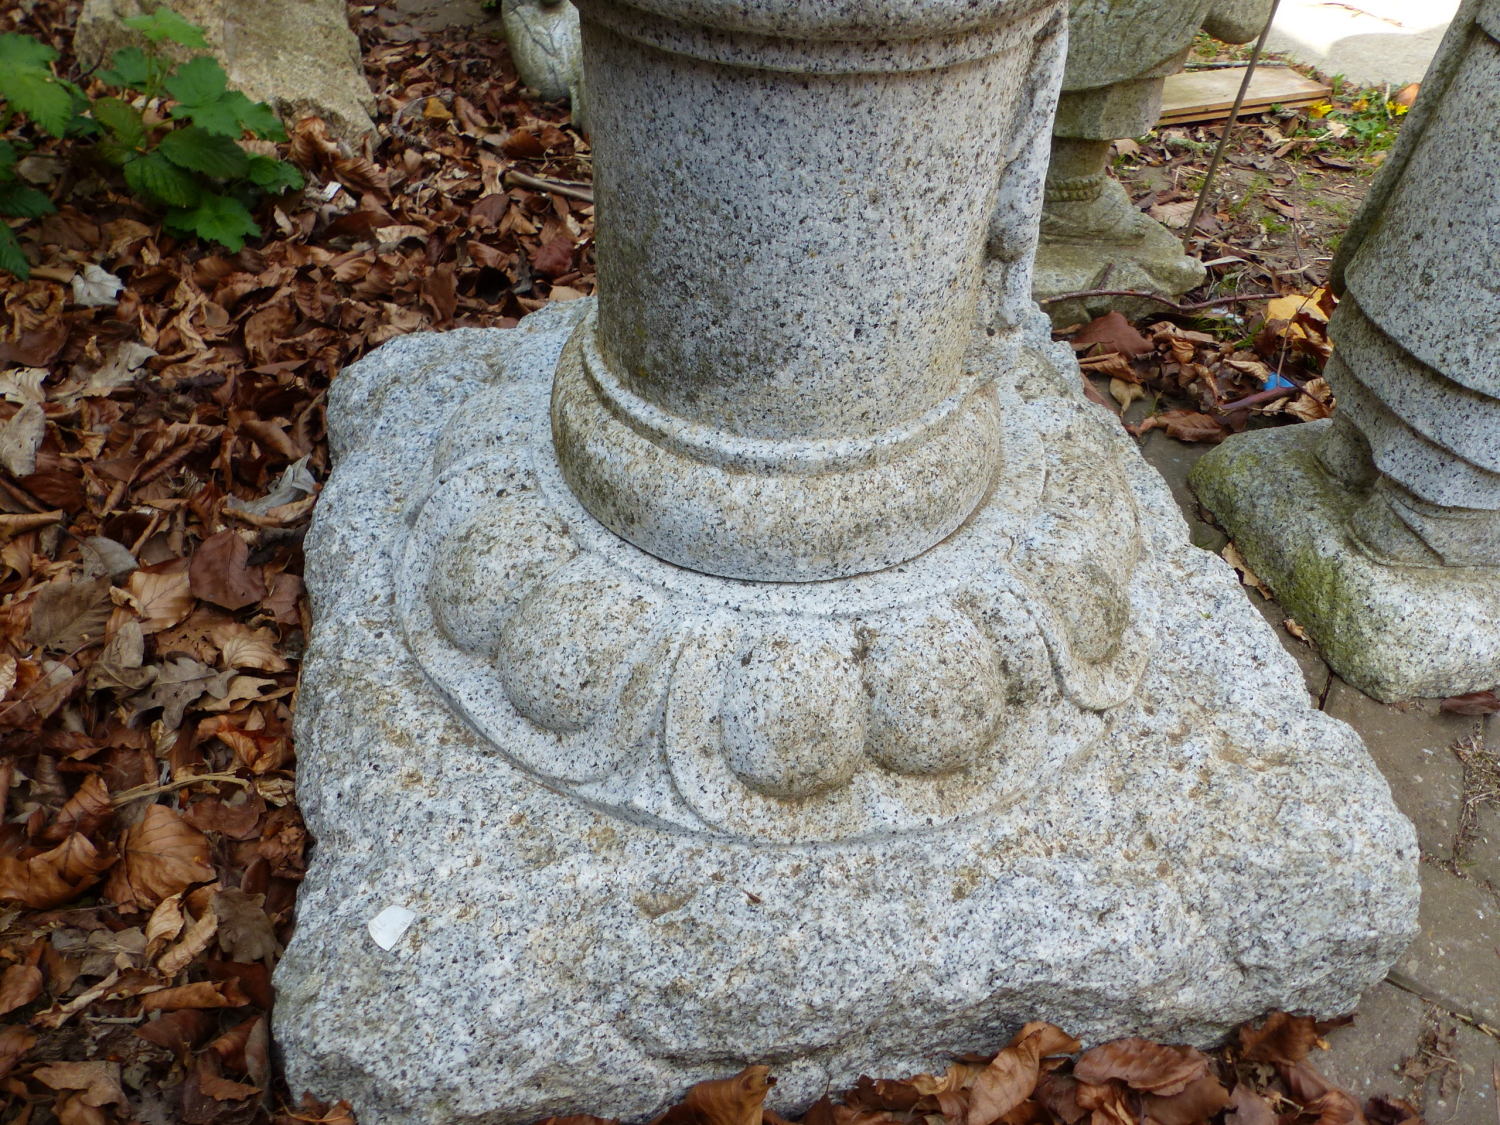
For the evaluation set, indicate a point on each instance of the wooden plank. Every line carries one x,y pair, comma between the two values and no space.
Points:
1208,95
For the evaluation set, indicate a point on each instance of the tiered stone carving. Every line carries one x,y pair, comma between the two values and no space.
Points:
1119,55
1380,530
778,658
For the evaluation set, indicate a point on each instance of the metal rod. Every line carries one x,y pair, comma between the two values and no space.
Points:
1234,114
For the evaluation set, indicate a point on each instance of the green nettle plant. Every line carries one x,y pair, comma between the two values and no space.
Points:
190,163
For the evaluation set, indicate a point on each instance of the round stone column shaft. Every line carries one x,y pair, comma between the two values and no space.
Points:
793,206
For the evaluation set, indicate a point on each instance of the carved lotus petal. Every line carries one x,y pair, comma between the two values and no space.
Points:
936,697
484,569
564,654
793,712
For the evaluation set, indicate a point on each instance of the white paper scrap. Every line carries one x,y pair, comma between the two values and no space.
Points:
388,926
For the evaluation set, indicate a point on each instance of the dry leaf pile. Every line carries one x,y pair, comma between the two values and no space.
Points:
162,441
1198,386
1041,1078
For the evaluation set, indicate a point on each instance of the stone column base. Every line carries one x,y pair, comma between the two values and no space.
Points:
1395,632
1153,263
649,826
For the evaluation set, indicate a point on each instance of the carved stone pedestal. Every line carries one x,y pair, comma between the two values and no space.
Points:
778,660
656,825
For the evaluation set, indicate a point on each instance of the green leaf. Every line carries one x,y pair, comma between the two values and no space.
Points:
29,86
131,68
259,118
217,218
18,201
11,258
275,176
164,23
46,101
197,81
8,158
230,114
156,177
113,152
122,120
199,150
23,52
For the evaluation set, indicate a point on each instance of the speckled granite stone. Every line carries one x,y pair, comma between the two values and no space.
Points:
1406,480
546,47
1396,632
782,350
655,825
1119,53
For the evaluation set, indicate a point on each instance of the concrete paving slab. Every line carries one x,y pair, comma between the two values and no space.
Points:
1369,42
1482,858
1412,746
1365,1058
1378,1054
1455,961
1474,1101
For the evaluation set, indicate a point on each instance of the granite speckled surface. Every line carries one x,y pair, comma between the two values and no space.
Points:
782,348
1139,825
1396,632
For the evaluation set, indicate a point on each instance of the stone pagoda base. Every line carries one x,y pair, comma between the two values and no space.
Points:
1154,263
654,826
1396,632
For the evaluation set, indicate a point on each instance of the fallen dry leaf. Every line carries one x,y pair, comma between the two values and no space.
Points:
723,1101
1283,1039
20,438
86,811
162,856
245,933
14,1043
179,1032
67,616
1248,1108
1200,1100
54,877
1112,333
194,941
1125,393
218,572
243,647
1184,425
19,986
99,1081
1475,703
1248,577
202,995
1142,1065
165,923
1011,1076
161,599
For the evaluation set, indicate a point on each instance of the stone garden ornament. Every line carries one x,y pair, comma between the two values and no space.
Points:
1120,53
778,660
1379,530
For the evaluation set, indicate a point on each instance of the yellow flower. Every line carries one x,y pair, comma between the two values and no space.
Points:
1322,109
1361,105
1396,109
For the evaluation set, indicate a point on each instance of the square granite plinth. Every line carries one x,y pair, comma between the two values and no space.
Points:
1396,632
1164,839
